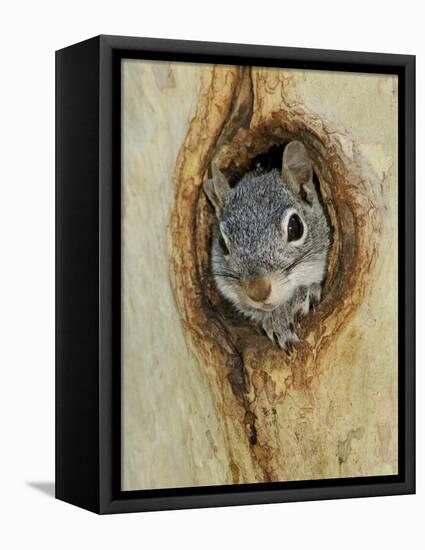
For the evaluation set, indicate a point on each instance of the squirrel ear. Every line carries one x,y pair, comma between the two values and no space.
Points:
297,170
217,188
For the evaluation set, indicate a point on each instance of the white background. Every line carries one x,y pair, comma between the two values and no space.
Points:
30,32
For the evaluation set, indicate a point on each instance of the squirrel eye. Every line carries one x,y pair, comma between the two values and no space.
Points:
223,245
295,228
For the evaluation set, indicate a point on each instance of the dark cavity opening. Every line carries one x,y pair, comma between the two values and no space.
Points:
269,160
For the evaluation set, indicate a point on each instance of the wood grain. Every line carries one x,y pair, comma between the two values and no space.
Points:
329,409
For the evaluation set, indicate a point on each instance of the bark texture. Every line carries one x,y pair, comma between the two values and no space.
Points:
328,410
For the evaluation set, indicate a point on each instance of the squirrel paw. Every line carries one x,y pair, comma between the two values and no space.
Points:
306,300
279,325
314,294
280,332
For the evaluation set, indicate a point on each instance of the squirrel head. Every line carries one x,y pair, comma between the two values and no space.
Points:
271,234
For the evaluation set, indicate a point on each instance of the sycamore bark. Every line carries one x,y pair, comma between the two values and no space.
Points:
210,388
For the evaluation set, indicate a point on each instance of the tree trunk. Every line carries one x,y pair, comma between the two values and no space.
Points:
330,408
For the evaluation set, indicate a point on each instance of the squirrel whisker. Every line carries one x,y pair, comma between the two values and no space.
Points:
225,275
294,264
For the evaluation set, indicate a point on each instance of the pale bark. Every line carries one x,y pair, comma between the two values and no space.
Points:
240,410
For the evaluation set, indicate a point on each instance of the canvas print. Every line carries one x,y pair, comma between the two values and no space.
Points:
259,230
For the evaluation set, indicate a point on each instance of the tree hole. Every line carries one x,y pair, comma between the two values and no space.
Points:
270,158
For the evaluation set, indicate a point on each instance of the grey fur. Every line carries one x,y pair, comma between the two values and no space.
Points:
252,221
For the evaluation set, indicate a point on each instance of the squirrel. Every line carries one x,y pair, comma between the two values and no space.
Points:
270,243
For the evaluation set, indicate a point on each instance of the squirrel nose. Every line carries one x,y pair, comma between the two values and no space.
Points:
258,289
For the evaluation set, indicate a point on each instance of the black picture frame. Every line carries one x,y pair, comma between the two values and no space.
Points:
88,274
